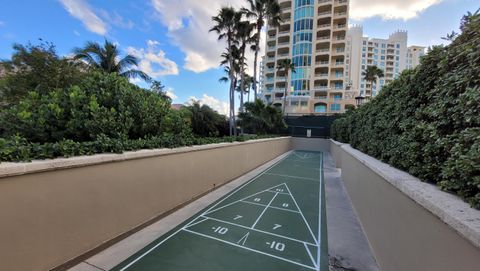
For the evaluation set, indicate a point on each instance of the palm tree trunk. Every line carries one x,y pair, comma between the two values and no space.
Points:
257,44
285,94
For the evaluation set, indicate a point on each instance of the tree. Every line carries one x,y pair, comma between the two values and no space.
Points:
157,87
261,118
225,26
107,58
205,121
244,37
286,65
261,10
36,68
371,74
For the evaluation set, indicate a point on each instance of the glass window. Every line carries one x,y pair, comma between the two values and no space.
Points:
335,107
320,108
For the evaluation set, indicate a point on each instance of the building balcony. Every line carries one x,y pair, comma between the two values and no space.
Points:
323,63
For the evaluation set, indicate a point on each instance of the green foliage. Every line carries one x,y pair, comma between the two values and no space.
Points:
205,121
107,58
102,104
17,149
427,122
36,68
260,118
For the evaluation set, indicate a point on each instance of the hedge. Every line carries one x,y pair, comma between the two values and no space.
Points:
18,149
427,121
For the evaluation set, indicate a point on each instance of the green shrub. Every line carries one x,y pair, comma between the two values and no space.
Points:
17,149
102,104
427,122
260,118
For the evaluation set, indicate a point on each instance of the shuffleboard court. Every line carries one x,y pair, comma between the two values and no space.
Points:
275,221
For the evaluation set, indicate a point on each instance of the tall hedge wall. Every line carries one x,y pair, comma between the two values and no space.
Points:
427,122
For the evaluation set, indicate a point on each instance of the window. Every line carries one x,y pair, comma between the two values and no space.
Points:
335,107
303,103
337,97
320,108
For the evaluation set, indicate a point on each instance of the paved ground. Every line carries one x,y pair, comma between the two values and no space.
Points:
205,222
348,247
272,222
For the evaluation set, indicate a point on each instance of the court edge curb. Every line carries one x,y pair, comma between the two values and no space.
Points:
9,169
449,208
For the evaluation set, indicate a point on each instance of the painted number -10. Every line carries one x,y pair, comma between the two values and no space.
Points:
220,230
277,246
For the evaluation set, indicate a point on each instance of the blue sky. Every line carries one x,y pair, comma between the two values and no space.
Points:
172,40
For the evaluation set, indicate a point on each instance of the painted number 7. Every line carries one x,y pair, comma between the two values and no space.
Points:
276,226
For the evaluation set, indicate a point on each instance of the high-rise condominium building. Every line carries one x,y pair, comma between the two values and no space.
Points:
313,35
391,55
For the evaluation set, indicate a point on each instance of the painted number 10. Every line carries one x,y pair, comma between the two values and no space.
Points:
220,230
277,246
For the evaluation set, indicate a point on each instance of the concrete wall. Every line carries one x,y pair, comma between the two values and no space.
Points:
310,144
410,225
50,217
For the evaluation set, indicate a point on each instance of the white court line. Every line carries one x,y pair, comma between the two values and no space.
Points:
232,203
277,192
177,231
265,232
290,176
320,210
254,250
310,254
193,224
259,204
245,184
304,220
150,250
264,210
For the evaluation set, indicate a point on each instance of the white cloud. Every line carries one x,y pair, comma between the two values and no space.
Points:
76,33
115,19
188,28
170,93
153,61
221,107
81,10
389,9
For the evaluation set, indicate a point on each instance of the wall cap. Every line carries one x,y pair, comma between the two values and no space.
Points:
449,208
8,169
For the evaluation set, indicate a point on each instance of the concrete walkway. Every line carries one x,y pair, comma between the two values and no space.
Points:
347,244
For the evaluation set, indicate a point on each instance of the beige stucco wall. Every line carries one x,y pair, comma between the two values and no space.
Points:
403,234
50,217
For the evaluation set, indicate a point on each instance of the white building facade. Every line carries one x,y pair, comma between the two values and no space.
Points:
392,55
313,36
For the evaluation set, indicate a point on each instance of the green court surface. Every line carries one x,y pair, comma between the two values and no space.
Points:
275,221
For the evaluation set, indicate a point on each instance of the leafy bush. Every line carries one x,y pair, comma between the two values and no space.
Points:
16,149
427,122
38,68
205,121
260,118
101,105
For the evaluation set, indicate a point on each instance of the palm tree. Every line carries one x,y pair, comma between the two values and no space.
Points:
225,26
244,37
107,58
371,74
261,10
286,65
261,118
